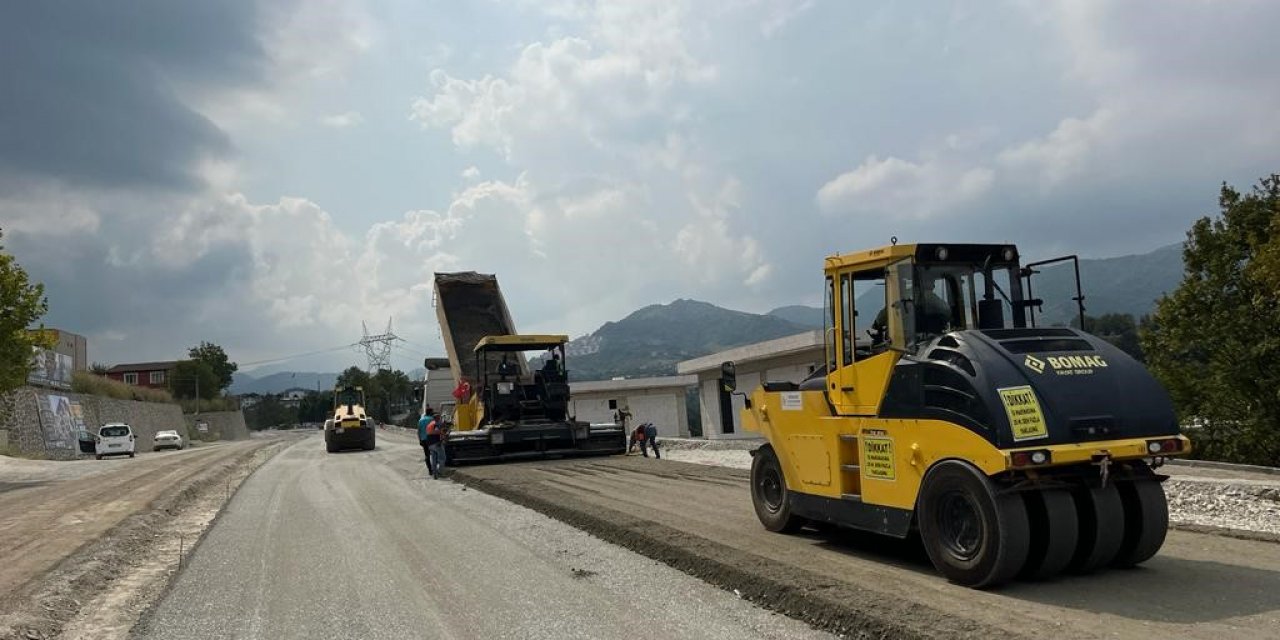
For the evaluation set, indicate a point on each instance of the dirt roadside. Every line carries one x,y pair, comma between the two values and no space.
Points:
85,545
698,518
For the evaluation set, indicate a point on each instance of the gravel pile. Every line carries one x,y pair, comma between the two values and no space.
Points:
1230,504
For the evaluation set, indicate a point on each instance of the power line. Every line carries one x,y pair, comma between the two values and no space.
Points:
295,357
425,349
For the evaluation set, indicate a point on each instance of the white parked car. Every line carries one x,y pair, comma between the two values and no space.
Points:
115,439
168,440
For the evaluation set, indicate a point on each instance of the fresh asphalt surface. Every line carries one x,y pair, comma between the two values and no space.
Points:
362,545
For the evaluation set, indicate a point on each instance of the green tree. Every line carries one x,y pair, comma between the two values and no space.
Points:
353,377
182,383
213,355
270,412
1117,328
22,303
1215,341
394,394
315,407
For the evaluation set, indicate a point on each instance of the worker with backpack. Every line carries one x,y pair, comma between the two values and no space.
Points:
431,436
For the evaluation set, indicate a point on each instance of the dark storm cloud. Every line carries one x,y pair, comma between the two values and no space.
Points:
88,89
156,306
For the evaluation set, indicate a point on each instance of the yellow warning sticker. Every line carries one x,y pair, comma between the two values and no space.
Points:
877,457
1023,409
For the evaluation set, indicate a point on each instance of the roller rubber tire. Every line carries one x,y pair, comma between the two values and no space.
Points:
370,444
1101,516
769,494
974,535
1146,521
330,447
1055,529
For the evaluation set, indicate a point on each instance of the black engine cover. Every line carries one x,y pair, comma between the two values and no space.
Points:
1086,388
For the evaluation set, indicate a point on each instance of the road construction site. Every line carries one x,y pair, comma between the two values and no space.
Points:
363,544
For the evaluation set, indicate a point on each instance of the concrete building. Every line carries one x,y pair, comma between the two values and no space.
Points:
791,358
661,401
293,397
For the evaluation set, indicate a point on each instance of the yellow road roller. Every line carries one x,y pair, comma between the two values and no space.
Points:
1015,450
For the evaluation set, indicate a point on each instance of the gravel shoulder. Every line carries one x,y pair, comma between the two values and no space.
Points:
74,530
698,518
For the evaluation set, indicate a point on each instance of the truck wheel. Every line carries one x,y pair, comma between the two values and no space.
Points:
130,454
769,494
974,536
98,456
1146,521
1101,527
1055,529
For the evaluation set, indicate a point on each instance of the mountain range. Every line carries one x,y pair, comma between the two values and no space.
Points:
650,341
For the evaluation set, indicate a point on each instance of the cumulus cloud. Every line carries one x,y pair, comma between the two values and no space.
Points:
897,187
578,115
632,152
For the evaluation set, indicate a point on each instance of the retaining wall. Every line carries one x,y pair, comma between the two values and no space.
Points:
37,421
222,425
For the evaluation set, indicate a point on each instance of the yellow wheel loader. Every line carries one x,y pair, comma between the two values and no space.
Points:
349,426
1014,450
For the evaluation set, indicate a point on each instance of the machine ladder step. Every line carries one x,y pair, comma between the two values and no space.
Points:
849,467
851,497
849,437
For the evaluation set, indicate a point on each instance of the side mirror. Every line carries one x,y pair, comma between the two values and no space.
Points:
729,376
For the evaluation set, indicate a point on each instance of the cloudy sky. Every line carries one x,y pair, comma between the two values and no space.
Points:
268,175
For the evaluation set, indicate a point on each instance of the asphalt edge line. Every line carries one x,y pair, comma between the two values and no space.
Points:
814,606
53,600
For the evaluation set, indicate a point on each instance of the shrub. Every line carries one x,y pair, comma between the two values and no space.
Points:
216,404
95,385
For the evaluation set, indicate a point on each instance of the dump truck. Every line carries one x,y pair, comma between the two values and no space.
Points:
1014,450
349,426
506,409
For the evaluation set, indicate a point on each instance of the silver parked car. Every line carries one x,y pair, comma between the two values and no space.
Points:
168,440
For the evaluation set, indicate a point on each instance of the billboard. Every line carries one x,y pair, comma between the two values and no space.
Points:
51,369
62,423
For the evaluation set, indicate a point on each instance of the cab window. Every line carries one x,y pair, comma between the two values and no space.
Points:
846,314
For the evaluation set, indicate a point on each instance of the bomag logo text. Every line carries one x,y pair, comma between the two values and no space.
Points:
1034,363
1074,365
1076,362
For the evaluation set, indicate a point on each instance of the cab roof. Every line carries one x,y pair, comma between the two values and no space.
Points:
925,253
520,342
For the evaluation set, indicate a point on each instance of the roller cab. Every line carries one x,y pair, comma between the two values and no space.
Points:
1014,450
